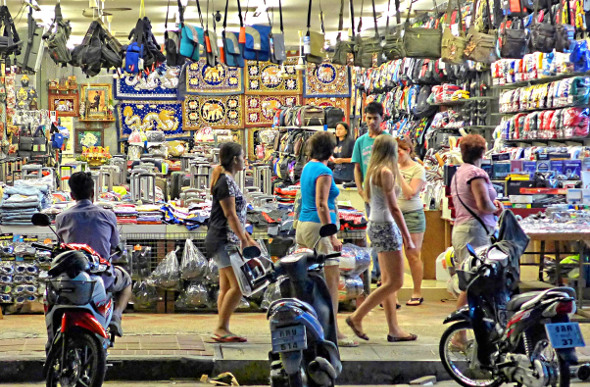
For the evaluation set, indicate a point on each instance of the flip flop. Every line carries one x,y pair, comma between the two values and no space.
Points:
410,337
359,334
415,301
229,339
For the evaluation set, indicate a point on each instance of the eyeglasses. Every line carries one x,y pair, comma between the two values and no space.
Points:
5,298
6,279
32,269
19,278
29,289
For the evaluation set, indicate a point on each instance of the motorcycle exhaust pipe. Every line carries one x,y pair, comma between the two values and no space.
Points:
581,372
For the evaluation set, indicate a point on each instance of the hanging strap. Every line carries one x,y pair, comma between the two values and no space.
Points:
225,18
309,16
268,15
449,15
322,18
242,35
360,25
281,15
181,13
352,16
340,21
141,9
387,23
200,14
398,16
375,20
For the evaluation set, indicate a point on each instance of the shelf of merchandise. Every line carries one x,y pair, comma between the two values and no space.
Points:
451,103
317,128
530,141
580,105
541,80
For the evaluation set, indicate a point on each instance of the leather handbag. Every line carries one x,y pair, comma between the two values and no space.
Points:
514,39
314,40
368,51
542,33
481,46
394,41
452,47
343,48
278,54
420,42
565,33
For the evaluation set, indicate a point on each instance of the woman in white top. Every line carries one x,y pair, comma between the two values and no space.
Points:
388,232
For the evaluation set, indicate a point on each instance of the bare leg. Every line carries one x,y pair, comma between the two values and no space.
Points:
229,301
122,299
332,274
416,265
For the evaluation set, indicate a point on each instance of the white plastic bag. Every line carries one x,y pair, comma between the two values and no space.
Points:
167,273
193,264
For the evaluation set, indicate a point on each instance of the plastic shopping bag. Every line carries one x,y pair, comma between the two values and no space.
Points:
193,264
167,273
249,272
354,259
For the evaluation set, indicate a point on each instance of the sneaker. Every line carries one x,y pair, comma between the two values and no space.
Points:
115,325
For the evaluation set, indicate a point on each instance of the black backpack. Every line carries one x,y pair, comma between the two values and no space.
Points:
10,42
97,50
57,40
423,108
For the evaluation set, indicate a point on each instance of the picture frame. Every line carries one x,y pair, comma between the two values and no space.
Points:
85,137
96,102
67,105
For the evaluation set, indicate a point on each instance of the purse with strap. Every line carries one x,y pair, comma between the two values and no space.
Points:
368,49
394,42
420,42
473,214
565,33
278,54
514,39
232,53
481,46
314,41
542,33
452,47
172,41
343,48
192,37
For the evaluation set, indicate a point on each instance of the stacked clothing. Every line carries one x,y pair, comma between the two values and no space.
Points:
149,214
20,203
192,217
286,195
351,218
126,213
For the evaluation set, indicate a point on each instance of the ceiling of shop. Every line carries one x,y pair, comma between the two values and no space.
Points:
294,14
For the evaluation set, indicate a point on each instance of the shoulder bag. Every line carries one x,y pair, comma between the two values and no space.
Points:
542,33
474,215
172,41
314,40
192,38
343,48
514,39
232,53
368,51
481,46
422,42
394,42
452,46
278,53
565,32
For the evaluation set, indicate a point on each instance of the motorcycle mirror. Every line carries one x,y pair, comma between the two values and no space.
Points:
251,252
328,230
471,250
40,219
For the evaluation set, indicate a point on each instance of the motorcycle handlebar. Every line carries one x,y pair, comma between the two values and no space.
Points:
41,246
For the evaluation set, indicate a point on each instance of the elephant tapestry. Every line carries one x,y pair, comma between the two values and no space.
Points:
217,112
268,78
326,80
202,79
150,115
159,84
260,110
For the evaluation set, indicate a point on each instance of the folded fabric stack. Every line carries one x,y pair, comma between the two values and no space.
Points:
286,195
149,214
126,213
20,203
193,217
351,218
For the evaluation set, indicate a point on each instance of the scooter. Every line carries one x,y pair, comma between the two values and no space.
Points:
303,330
78,310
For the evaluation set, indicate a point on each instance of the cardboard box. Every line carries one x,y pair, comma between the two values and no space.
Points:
572,169
521,199
513,186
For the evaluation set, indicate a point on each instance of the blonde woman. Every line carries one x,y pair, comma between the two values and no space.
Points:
388,233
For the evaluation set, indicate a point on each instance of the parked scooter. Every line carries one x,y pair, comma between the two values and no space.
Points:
78,311
304,342
501,337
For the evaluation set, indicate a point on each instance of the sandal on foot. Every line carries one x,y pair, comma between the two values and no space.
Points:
229,339
410,337
415,301
359,334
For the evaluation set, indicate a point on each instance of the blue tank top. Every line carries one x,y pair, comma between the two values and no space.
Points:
309,176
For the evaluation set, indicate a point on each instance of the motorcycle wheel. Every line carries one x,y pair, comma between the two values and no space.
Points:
549,355
85,360
296,380
461,362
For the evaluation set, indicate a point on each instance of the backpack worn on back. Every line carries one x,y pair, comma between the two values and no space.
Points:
57,40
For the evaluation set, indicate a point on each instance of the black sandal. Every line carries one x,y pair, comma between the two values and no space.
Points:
415,301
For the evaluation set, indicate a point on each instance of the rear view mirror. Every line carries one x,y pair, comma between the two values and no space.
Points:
251,252
328,230
40,219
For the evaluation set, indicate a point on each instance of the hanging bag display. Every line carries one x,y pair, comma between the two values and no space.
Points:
514,39
10,42
565,32
343,48
542,33
257,42
278,54
313,42
452,47
192,38
57,41
394,42
420,42
368,51
211,48
28,58
232,53
172,40
481,46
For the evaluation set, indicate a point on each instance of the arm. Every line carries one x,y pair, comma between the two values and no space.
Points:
387,186
410,190
228,205
482,199
342,160
322,191
358,179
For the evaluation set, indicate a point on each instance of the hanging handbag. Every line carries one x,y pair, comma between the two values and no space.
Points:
420,42
394,42
278,54
368,51
314,40
232,53
565,33
192,38
481,46
257,43
172,41
542,33
452,46
514,39
343,48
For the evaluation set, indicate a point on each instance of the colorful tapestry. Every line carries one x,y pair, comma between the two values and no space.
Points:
218,112
160,84
342,103
268,78
150,115
260,110
326,80
202,79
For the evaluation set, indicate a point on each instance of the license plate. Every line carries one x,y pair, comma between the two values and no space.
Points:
565,335
288,339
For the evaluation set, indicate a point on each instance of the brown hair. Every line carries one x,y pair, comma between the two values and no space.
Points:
227,152
406,145
321,146
473,147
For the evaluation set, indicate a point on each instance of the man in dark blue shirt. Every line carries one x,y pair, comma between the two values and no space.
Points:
88,224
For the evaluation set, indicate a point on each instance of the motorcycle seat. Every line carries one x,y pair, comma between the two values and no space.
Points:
517,301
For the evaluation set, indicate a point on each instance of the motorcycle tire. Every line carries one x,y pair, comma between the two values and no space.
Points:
470,352
564,368
296,380
78,344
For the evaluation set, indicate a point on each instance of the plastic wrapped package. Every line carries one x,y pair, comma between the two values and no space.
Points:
271,294
354,259
194,296
167,273
145,295
134,152
350,287
193,264
140,261
212,273
176,148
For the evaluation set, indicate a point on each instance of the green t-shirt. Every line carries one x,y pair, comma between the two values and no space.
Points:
361,153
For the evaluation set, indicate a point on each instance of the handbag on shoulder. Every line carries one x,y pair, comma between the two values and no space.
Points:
420,42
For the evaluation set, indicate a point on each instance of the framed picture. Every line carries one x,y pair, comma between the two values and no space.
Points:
96,102
88,138
65,104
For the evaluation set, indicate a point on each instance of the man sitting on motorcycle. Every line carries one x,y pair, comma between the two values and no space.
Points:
88,224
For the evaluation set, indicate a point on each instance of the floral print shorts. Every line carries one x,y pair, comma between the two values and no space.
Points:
385,236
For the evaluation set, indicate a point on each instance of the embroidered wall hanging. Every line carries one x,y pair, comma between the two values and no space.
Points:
326,80
218,112
202,79
150,115
160,84
342,103
269,78
260,110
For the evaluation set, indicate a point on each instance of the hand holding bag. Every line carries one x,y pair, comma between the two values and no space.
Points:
565,33
542,33
452,46
422,42
368,51
394,42
481,46
313,40
343,48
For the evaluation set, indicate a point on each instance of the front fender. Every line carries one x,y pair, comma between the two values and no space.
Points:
84,320
458,315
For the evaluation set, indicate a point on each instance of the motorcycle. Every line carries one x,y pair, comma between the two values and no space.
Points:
504,337
303,331
78,311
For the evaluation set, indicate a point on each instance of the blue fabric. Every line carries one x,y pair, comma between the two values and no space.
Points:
264,53
309,176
